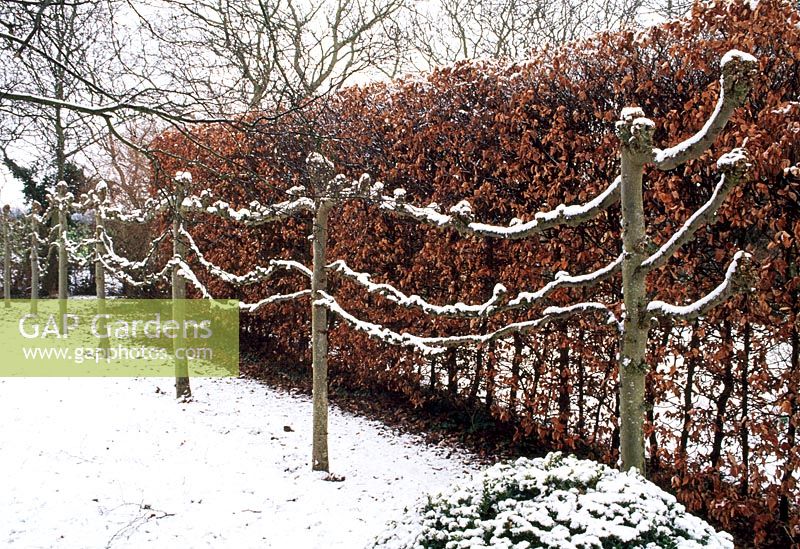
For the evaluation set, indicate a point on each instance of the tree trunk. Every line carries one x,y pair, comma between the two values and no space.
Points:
515,364
744,434
100,272
183,388
35,211
794,416
6,256
63,258
724,396
319,339
635,150
52,281
691,367
562,423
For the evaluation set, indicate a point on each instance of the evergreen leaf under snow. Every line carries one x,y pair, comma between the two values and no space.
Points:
554,502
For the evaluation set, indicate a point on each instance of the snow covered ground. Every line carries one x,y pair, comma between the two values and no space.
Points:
112,462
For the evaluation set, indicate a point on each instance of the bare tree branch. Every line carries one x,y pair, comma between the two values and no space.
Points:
735,280
738,70
734,166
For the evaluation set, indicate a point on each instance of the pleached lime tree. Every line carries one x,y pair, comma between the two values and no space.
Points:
638,256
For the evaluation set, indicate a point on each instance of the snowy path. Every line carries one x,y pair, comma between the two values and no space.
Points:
93,463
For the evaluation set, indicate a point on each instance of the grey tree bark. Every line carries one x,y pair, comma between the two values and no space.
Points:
63,258
99,269
636,149
636,135
6,256
326,191
319,339
183,388
36,210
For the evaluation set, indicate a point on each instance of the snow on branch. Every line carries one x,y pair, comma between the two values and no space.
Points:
113,265
735,280
145,215
437,345
271,300
734,166
186,272
256,214
565,280
123,263
496,304
414,301
460,217
73,250
256,275
738,70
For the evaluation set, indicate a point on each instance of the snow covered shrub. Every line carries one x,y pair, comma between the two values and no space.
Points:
557,501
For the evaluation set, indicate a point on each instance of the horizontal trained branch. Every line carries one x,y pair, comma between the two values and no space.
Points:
735,280
498,303
148,280
185,271
437,345
124,263
738,70
271,300
256,214
734,165
460,218
258,274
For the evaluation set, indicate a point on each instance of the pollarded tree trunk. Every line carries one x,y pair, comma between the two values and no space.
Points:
319,339
636,134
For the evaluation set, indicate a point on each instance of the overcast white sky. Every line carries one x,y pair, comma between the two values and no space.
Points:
10,189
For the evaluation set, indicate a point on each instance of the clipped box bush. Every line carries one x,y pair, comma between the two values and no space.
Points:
557,501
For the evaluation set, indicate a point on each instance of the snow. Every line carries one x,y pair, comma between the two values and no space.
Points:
560,501
710,299
630,113
183,177
438,345
393,294
461,214
733,158
462,209
115,462
737,55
